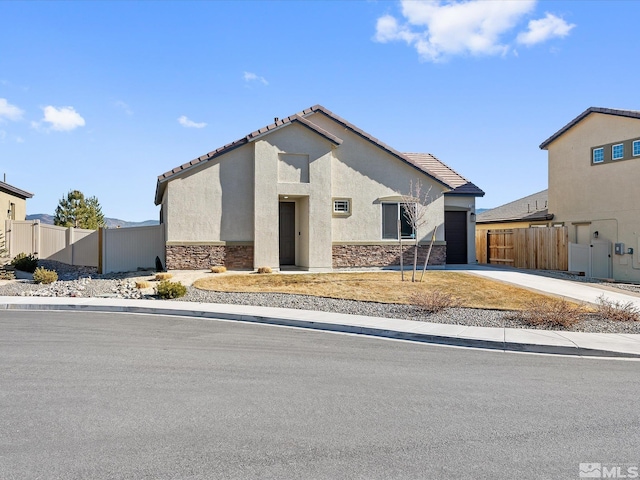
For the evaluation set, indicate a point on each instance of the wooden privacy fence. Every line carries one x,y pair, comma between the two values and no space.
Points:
540,248
111,250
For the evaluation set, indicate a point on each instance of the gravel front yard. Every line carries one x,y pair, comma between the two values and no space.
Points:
85,283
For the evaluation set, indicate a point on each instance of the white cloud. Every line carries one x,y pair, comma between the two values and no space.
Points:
124,107
185,122
252,77
439,29
61,119
545,28
8,111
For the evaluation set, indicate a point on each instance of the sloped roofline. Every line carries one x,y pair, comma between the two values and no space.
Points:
588,111
5,187
300,118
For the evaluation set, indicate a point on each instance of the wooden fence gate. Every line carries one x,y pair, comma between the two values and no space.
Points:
539,248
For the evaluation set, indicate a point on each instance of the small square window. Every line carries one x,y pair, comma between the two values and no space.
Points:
598,155
636,148
342,206
617,151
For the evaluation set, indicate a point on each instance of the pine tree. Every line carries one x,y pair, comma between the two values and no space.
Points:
77,211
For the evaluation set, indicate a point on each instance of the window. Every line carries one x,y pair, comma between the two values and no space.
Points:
636,148
598,155
617,151
342,206
391,213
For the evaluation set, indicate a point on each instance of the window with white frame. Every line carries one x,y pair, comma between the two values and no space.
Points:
342,206
598,155
636,148
391,213
617,151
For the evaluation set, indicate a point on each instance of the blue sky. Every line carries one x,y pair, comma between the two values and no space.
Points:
105,96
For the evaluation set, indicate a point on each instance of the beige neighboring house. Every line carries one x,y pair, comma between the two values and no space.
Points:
529,211
312,191
14,202
594,176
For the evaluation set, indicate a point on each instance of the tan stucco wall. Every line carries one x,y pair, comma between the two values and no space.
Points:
368,176
199,209
5,206
313,246
605,195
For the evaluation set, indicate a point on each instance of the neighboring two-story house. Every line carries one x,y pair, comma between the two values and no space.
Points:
594,189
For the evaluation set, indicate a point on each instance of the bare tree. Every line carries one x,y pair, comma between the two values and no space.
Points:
415,208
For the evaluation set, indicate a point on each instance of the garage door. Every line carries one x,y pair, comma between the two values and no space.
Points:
455,234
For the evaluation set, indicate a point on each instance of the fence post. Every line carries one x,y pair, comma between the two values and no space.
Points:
35,246
70,238
100,248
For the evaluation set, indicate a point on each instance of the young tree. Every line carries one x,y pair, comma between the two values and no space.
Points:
415,207
75,210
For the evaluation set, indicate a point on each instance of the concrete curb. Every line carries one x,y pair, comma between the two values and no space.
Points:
572,348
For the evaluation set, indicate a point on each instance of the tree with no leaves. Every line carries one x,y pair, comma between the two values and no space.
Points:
75,210
415,211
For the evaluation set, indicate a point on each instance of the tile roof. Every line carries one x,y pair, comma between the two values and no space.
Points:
588,111
444,173
422,162
10,189
530,208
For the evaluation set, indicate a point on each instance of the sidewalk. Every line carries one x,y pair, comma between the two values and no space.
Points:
500,339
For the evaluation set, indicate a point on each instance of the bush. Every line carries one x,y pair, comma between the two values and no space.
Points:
167,289
42,275
617,311
550,313
218,269
434,301
25,263
264,270
163,276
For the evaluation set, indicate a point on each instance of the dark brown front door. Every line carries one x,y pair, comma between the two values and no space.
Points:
455,234
287,233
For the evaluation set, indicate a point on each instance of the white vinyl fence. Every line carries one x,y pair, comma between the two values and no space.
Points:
130,249
111,250
74,246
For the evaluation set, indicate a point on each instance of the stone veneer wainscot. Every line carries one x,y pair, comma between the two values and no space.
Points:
196,257
384,255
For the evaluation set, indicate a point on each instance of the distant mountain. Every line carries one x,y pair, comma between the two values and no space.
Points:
480,210
111,222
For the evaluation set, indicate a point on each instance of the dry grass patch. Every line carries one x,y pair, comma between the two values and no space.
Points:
386,287
163,276
218,269
140,284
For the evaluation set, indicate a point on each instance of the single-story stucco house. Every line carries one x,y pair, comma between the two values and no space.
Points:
313,191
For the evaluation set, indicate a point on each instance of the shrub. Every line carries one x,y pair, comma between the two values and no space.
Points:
550,313
167,289
617,311
42,275
218,269
434,301
264,270
25,263
142,284
163,276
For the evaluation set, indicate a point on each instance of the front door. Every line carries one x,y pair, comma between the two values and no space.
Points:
287,233
455,234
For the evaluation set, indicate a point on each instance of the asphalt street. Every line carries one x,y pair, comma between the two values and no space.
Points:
117,396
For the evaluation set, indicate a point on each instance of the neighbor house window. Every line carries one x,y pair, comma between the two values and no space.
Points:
598,155
342,206
617,151
391,213
636,148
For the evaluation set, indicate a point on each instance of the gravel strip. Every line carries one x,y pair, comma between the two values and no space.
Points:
84,282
